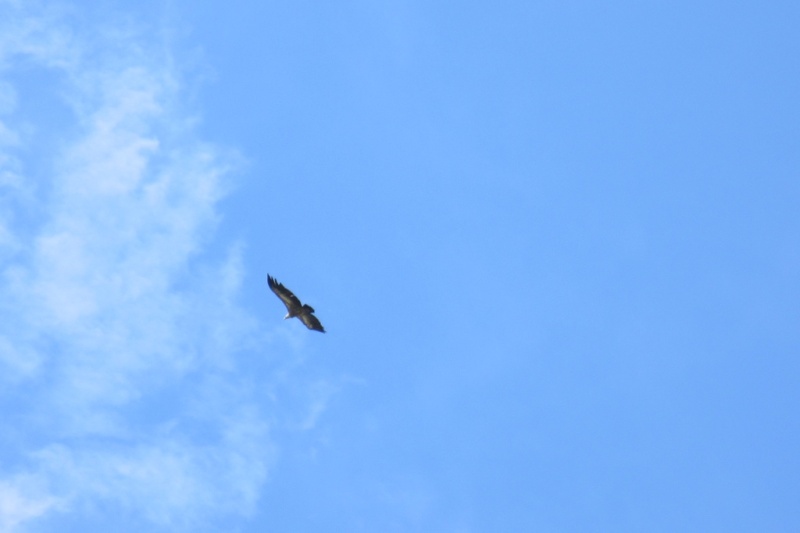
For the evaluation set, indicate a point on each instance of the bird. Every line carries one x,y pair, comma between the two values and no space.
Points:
296,309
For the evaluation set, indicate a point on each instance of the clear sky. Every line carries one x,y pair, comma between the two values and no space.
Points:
555,246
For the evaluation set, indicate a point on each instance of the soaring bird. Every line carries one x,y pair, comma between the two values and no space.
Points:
296,309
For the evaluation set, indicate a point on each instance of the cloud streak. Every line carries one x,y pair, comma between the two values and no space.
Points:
117,346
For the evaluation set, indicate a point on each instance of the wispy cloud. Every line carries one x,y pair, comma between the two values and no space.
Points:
118,379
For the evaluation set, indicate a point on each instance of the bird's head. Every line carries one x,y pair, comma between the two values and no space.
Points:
287,316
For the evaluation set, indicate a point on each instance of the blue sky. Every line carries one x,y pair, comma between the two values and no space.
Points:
554,244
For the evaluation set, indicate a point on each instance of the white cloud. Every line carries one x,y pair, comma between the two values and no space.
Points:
20,502
118,343
319,394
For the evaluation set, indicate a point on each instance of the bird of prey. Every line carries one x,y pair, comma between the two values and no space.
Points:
296,309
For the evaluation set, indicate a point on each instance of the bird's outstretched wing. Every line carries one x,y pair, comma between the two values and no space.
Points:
288,298
311,321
